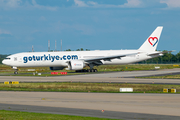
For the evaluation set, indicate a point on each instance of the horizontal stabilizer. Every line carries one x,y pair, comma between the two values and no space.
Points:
158,53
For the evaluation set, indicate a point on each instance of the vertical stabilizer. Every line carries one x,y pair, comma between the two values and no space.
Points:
151,43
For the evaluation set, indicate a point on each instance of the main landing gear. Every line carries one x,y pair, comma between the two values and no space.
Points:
87,70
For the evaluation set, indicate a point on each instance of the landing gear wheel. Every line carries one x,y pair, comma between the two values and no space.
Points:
16,72
88,70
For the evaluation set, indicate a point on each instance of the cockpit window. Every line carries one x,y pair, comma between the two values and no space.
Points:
7,58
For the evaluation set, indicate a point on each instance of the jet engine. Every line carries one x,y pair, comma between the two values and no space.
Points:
75,65
56,68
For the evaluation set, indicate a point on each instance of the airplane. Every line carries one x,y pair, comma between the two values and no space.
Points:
77,60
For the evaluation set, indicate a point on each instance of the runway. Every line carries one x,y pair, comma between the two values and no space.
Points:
116,77
115,105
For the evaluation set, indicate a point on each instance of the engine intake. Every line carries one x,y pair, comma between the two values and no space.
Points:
75,65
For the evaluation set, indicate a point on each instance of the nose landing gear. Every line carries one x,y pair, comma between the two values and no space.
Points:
15,70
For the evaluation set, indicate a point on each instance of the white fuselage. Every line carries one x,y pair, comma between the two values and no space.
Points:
50,59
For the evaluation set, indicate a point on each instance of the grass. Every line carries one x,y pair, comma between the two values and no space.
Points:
88,87
6,70
17,115
133,67
163,77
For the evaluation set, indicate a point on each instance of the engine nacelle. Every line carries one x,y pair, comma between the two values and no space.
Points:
56,68
75,65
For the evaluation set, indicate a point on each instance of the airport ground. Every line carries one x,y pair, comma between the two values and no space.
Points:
126,106
7,71
115,105
113,77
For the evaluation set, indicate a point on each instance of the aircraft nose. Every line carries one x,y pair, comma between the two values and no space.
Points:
3,62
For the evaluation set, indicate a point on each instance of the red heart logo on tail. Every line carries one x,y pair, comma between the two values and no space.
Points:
153,39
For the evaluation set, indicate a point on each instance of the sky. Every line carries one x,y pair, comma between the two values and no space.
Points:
88,24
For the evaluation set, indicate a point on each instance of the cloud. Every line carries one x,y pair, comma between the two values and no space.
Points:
171,3
11,4
131,3
31,4
43,7
92,3
4,32
80,3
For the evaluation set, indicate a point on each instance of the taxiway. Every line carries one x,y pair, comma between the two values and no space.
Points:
118,77
115,105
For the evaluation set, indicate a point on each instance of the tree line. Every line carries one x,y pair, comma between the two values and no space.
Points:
81,49
2,57
167,58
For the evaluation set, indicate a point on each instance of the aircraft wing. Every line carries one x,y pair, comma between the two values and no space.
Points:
108,58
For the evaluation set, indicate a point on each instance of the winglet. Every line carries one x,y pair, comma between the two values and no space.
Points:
151,43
